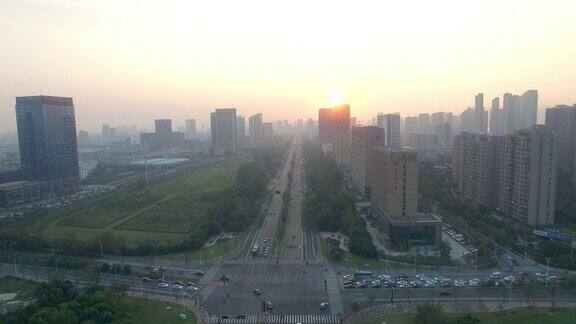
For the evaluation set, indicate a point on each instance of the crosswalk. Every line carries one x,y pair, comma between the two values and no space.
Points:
274,319
223,319
269,261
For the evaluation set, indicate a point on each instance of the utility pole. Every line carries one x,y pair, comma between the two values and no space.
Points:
547,269
101,251
15,267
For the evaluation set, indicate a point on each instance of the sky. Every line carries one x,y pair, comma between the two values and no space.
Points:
129,62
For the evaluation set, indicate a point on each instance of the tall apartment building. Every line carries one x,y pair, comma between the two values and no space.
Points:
496,118
520,112
240,131
224,125
47,140
363,140
325,120
391,125
474,167
394,196
190,129
480,115
424,124
394,181
410,127
527,175
267,134
255,130
561,120
528,109
334,129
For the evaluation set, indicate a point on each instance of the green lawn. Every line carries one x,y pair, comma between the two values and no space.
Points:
150,311
523,316
24,288
221,248
163,213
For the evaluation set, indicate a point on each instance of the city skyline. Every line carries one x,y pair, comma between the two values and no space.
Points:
141,61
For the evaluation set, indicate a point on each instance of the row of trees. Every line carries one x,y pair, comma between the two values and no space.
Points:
329,205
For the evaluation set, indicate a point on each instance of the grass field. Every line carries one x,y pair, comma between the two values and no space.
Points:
221,248
24,288
523,316
150,311
163,213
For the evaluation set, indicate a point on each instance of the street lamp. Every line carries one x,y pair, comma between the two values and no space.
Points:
56,264
15,267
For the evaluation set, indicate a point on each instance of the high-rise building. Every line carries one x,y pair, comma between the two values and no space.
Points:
424,124
391,125
527,175
190,130
467,121
241,131
255,130
480,115
562,121
363,140
334,129
224,130
410,127
496,118
394,196
47,140
163,131
520,112
353,122
325,121
108,133
394,181
528,109
267,134
474,167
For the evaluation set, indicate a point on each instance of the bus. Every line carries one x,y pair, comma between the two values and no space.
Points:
361,275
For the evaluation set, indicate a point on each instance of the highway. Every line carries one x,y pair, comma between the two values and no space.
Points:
293,233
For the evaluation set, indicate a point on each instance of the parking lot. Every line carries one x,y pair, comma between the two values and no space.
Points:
370,280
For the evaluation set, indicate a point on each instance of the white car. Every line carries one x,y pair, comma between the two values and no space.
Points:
163,285
177,286
473,282
193,288
324,305
459,283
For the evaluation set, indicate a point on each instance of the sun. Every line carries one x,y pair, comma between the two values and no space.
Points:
335,98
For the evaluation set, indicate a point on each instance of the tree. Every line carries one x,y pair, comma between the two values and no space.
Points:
53,315
54,293
335,253
429,314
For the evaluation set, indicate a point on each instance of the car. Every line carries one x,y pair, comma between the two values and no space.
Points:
347,277
376,284
256,291
163,285
444,292
389,284
269,305
146,279
192,288
459,283
361,285
324,305
473,282
240,316
349,286
177,287
199,273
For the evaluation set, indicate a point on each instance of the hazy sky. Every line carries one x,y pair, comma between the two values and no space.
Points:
128,62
